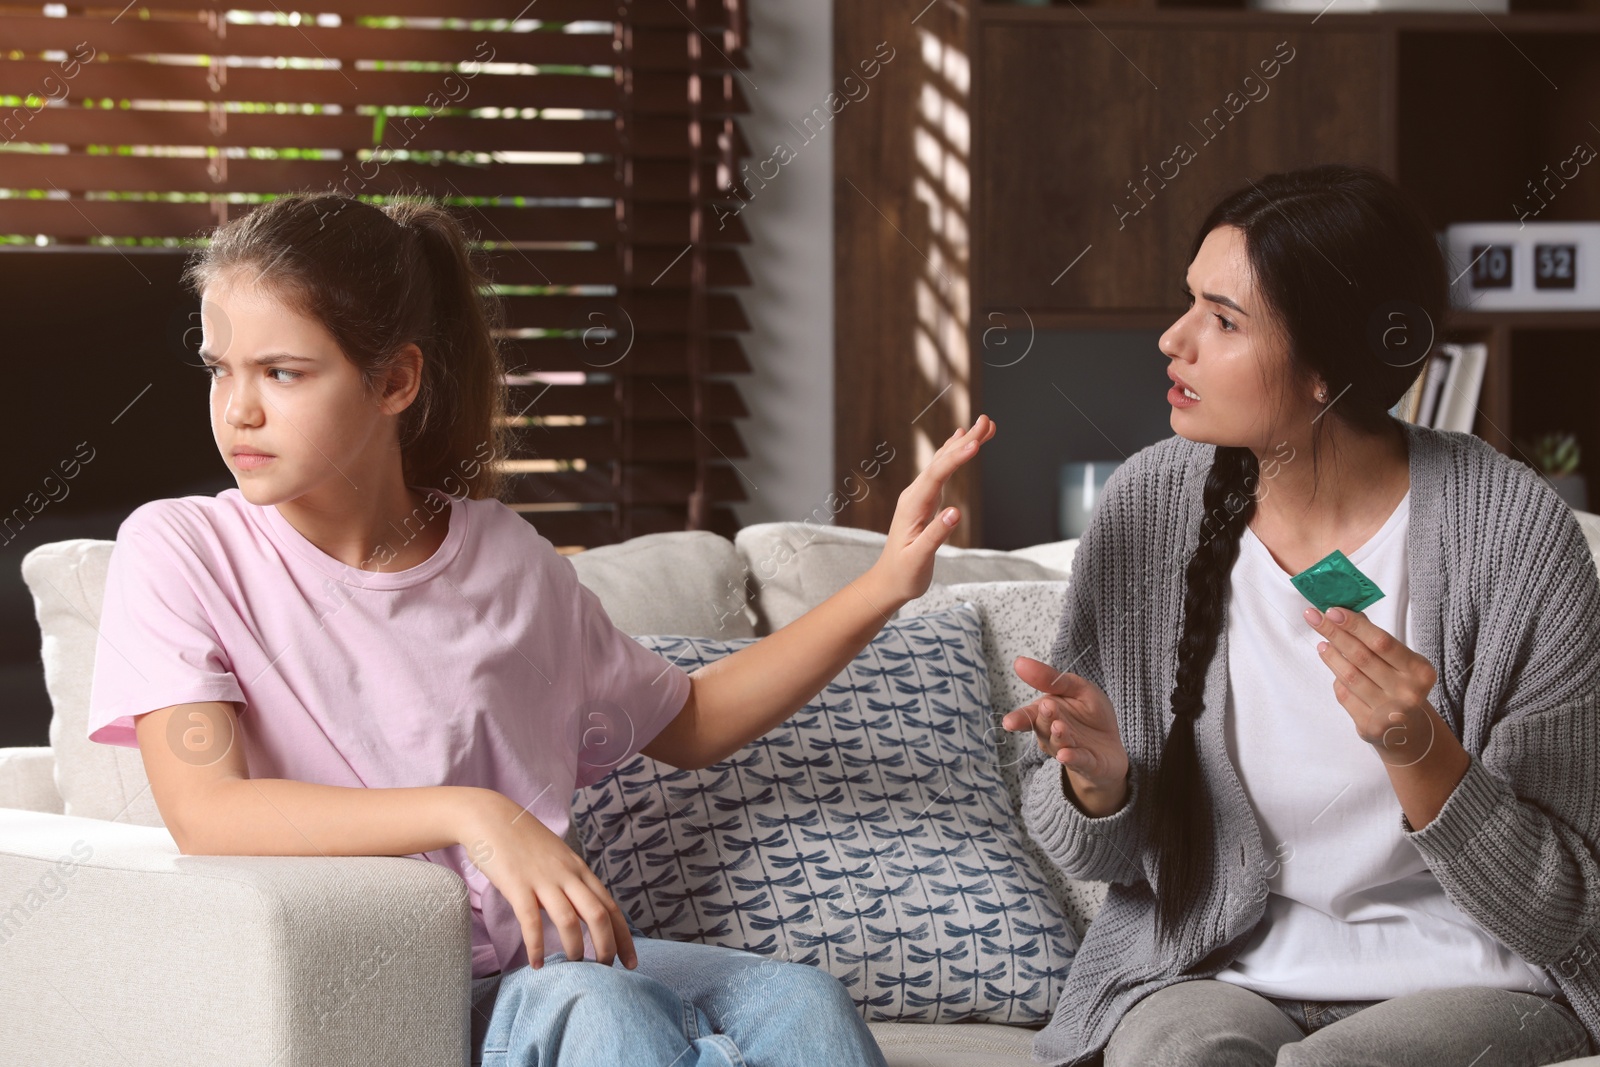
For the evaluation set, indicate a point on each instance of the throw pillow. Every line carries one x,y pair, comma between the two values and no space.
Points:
869,834
1019,619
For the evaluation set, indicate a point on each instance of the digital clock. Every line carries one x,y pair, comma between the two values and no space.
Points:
1506,266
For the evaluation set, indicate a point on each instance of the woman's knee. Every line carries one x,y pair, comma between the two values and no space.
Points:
1199,1022
1453,1024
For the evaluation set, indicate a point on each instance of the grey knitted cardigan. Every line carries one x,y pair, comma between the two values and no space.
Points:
1505,603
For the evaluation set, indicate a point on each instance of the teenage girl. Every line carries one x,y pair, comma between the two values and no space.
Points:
1360,837
360,650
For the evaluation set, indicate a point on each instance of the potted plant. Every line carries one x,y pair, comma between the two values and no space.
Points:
1556,456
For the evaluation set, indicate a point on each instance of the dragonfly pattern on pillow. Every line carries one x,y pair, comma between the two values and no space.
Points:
870,834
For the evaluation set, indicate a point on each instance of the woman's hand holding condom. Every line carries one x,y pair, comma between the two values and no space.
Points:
1076,725
1384,685
534,869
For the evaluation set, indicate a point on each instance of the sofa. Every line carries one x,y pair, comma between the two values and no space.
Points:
117,948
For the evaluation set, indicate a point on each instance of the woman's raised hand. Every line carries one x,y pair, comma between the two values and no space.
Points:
917,529
1075,724
535,870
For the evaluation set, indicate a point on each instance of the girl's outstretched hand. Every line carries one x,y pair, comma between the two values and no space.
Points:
1075,724
535,870
916,531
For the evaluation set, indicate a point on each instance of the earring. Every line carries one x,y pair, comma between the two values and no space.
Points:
1322,396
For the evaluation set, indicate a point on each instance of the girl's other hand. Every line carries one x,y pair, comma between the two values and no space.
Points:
534,869
1075,724
916,531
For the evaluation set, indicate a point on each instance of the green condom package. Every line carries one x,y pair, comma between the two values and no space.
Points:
1333,581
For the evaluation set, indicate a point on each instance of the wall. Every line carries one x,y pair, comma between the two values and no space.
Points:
790,258
1075,395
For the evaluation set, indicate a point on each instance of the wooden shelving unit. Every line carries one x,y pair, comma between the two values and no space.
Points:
1072,108
1462,109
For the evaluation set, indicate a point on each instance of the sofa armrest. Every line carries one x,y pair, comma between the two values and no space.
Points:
126,951
28,780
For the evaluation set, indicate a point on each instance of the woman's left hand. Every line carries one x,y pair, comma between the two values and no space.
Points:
906,567
1382,684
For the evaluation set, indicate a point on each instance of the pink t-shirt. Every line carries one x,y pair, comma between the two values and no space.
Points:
487,665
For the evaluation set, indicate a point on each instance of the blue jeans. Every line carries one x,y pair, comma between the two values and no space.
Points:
687,1004
1204,1021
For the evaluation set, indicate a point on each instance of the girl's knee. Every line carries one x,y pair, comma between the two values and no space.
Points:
571,981
803,980
774,988
591,1012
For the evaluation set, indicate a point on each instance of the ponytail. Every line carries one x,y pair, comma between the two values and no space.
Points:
460,410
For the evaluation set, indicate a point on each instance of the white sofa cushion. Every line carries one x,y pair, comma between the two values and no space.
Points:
27,780
794,566
683,582
1590,524
68,579
966,1045
869,834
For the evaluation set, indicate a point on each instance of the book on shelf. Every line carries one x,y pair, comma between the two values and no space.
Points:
1445,395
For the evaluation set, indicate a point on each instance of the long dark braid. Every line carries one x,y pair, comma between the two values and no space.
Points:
1182,806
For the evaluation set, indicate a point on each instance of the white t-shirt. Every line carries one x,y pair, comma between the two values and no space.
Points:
1353,913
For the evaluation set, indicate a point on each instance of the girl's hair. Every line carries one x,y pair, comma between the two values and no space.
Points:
379,278
1355,279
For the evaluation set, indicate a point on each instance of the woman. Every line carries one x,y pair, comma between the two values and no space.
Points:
1360,837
